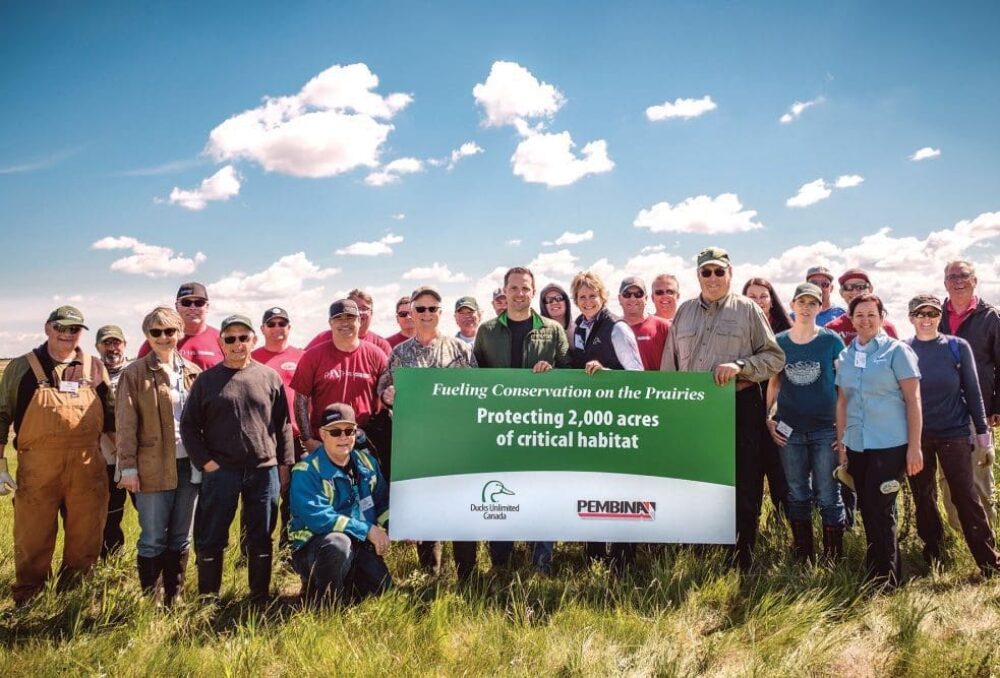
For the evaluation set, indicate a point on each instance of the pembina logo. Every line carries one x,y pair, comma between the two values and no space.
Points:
616,509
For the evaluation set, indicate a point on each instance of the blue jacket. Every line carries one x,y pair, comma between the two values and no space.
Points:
323,501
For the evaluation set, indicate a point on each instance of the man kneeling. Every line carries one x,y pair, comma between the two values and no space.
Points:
339,507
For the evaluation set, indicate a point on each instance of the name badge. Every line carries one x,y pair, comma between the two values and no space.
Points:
69,386
860,360
784,429
367,503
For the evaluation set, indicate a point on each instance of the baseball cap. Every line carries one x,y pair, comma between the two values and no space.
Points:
192,289
854,273
67,316
922,300
335,414
807,289
235,319
276,312
344,307
424,289
713,255
498,292
819,270
467,302
632,281
109,332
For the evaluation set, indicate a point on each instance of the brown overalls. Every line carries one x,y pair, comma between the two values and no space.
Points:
59,462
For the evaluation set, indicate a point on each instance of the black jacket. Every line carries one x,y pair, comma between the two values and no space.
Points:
982,330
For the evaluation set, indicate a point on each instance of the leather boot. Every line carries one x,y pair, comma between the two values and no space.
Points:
833,543
209,575
802,540
149,572
259,575
174,567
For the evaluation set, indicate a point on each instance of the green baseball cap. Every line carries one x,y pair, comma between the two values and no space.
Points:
922,300
467,302
109,332
67,316
807,289
713,255
236,319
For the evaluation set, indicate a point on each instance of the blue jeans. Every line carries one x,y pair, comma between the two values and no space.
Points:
809,461
329,563
220,493
501,553
165,517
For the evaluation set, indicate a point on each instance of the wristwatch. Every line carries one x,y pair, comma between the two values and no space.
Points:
741,363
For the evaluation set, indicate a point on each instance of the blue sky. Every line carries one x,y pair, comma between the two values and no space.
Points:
109,108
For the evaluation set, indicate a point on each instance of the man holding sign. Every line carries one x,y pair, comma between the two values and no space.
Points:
728,335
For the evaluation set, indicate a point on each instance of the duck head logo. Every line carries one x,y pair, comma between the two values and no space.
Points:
494,489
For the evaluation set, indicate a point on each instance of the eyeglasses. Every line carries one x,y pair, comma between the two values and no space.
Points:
669,293
244,338
426,309
337,432
554,299
68,329
197,303
277,323
957,277
633,295
402,314
363,310
926,314
717,272
856,287
822,282
156,332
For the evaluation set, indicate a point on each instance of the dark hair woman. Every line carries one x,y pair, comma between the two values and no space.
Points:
553,302
762,293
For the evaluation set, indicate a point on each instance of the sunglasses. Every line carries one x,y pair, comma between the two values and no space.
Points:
68,329
337,432
156,332
926,314
958,277
856,287
277,323
824,283
402,314
670,293
244,338
426,309
717,272
197,303
633,295
554,299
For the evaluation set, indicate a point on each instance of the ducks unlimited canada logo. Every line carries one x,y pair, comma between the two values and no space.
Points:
492,506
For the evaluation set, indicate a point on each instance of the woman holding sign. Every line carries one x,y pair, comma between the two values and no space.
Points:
429,348
879,423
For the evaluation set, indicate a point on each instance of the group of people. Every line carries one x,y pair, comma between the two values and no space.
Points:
831,408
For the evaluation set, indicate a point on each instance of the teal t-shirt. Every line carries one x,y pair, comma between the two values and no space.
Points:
807,400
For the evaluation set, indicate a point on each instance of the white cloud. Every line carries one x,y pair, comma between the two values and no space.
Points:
512,94
798,108
681,108
925,153
570,238
559,263
435,273
333,125
221,186
700,214
548,159
848,181
810,194
652,249
154,261
467,149
391,172
399,216
371,249
513,242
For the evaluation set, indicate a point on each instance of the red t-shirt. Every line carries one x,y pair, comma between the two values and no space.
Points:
328,375
372,338
284,364
201,349
955,320
396,339
651,335
844,326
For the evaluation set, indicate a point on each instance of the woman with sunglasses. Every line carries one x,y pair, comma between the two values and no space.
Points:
762,293
950,397
430,348
152,460
199,342
553,302
879,423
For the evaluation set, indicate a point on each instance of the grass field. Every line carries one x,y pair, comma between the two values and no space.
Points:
681,613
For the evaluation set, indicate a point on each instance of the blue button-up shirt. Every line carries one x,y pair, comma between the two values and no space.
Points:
876,411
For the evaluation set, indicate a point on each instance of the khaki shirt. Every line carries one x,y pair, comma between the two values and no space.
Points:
733,328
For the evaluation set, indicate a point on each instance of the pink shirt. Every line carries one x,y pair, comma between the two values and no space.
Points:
372,338
284,364
651,336
201,349
326,375
955,320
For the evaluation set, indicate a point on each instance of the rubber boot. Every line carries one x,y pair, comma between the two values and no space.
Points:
833,543
149,572
174,567
259,575
802,540
209,575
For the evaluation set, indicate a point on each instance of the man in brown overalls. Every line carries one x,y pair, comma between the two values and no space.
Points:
58,400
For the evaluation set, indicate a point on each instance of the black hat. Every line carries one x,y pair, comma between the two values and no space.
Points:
192,289
344,307
337,413
276,312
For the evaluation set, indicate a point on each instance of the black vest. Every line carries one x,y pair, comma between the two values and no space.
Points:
599,346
